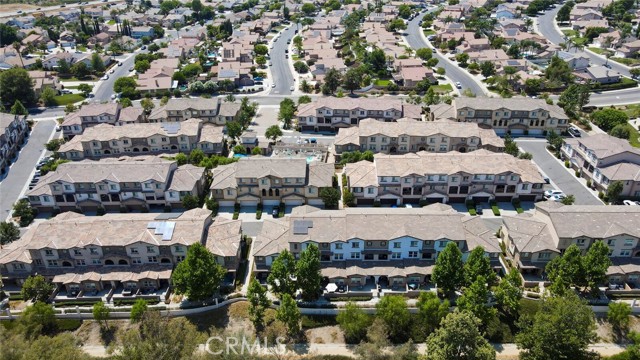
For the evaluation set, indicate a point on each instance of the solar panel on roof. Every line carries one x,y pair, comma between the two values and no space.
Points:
168,230
171,128
301,227
166,216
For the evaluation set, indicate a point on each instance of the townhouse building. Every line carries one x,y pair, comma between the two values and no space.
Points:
371,246
13,130
271,181
533,240
144,139
93,114
330,114
100,257
209,110
603,159
117,184
407,136
425,177
515,116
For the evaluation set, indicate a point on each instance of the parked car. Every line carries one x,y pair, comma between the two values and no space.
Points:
557,198
291,88
574,132
111,71
313,140
119,63
550,193
479,209
458,85
273,85
144,47
105,77
131,68
631,202
274,212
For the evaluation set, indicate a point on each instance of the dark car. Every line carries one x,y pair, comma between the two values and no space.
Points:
479,209
144,47
574,132
274,212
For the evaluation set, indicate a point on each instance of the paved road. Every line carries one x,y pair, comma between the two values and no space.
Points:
280,70
453,72
563,179
21,171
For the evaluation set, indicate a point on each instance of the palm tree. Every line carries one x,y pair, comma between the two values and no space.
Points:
528,22
17,46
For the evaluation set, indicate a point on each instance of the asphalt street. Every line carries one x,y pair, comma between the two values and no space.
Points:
280,70
104,88
21,171
416,41
563,179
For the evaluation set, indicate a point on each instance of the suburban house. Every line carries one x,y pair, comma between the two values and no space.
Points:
93,114
117,256
532,240
576,61
600,74
407,135
603,159
183,109
271,181
330,114
424,177
373,247
138,32
117,184
143,139
13,130
516,116
628,49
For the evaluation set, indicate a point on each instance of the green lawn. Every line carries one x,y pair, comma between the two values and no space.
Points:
626,61
111,22
381,82
62,100
598,51
632,110
429,32
580,41
570,33
442,89
81,48
634,137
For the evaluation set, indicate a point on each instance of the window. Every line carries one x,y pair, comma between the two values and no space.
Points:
544,255
628,242
355,245
442,243
397,245
414,243
413,254
67,187
178,248
48,252
383,243
338,257
96,261
18,266
152,259
180,258
81,262
580,241
369,190
369,243
136,261
611,242
454,179
77,252
151,249
355,255
625,252
339,246
396,255
52,262
113,187
39,262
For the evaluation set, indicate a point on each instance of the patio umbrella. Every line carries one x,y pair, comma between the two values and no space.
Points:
331,287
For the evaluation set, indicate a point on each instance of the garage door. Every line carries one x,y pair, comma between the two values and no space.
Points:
481,199
315,202
248,202
528,197
517,132
364,201
227,203
503,198
457,200
500,131
536,132
434,200
294,202
388,201
271,202
411,201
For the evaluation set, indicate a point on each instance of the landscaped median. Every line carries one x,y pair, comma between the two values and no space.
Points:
62,100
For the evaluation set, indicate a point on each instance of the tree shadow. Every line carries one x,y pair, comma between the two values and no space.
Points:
107,334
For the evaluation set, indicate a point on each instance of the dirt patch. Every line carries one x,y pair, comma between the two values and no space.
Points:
16,7
325,335
89,333
605,332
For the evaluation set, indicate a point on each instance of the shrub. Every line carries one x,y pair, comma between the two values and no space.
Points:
567,164
236,211
600,195
578,173
259,212
68,324
589,183
376,203
101,211
281,208
495,209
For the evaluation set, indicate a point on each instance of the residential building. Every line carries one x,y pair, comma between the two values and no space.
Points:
144,139
117,184
516,116
138,32
183,109
423,177
407,135
330,114
532,240
13,130
271,181
372,246
117,255
603,159
93,114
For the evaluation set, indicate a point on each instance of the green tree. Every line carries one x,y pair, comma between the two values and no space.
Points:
562,329
300,67
352,79
510,146
258,303
304,99
559,70
596,263
96,62
260,49
621,131
190,202
614,190
261,60
256,151
462,59
619,316
478,264
138,309
567,268
234,129
24,211
287,112
396,25
8,35
142,66
475,299
459,338
332,80
395,314
101,313
191,70
283,270
48,96
125,102
9,232
199,275
487,69
565,11
289,314
60,347
123,84
54,145
448,272
509,292
85,89
18,108
574,98
308,273
38,319
63,67
273,132
431,311
424,53
404,11
37,288
181,159
330,196
147,105
353,322
16,84
308,9
80,70
554,140
608,118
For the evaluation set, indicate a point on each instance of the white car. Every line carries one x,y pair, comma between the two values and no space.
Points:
631,202
550,193
557,198
273,85
458,85
105,77
111,71
291,88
